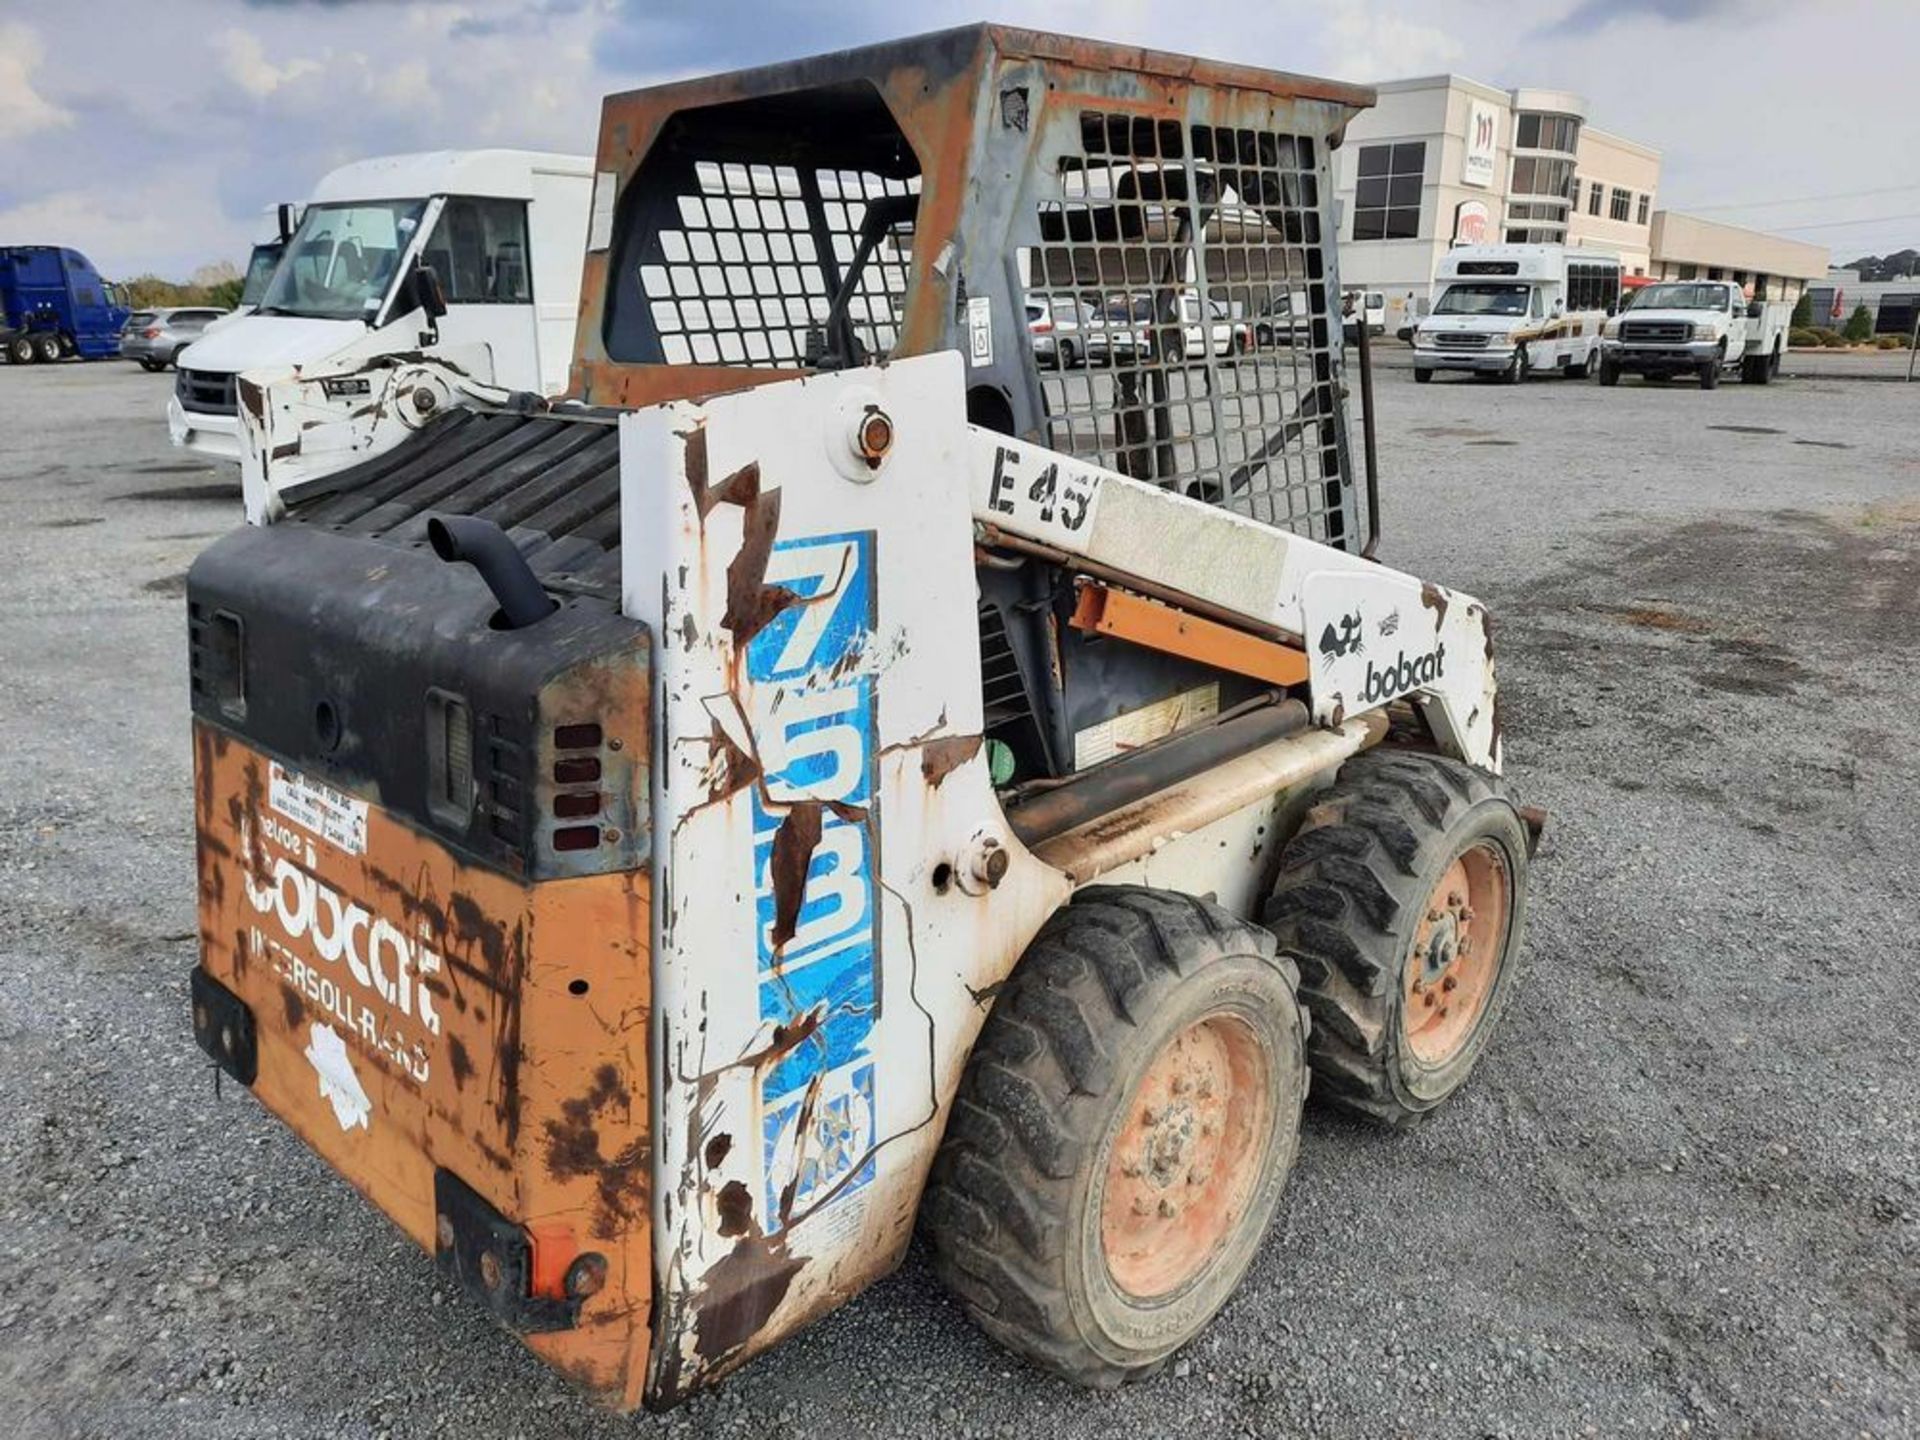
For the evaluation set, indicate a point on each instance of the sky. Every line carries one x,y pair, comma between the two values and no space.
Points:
155,135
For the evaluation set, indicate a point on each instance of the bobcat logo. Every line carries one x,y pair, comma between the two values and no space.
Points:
1345,641
1390,624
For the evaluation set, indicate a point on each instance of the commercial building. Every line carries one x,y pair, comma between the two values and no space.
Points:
1444,160
1685,247
1893,304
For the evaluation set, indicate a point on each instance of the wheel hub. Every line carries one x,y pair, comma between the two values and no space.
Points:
1455,955
1185,1155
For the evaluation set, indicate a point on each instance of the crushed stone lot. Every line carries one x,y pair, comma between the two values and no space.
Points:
1680,1196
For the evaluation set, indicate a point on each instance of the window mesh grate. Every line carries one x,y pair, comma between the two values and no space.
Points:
752,266
1178,309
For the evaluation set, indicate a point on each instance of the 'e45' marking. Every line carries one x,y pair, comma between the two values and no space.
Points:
1051,495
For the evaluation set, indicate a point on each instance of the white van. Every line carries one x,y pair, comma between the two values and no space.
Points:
502,232
1514,310
1358,307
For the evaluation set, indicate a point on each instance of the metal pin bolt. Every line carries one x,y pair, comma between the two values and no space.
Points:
443,1230
1433,916
873,436
1419,987
490,1270
1455,898
1427,999
1448,983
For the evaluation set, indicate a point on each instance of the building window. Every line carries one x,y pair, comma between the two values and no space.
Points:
1593,198
1688,272
1640,210
1622,206
1386,197
1541,177
1547,132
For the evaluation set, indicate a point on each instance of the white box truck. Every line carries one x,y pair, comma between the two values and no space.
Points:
1697,328
501,232
1516,310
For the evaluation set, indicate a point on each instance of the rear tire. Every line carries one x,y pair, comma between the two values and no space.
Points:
46,348
20,350
150,366
1578,372
1123,1133
1404,898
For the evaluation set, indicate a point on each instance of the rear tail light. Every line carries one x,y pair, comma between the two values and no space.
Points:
152,332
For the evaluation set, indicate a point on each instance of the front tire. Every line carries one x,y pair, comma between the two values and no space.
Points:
1609,372
1710,372
1520,368
1422,374
1404,898
1123,1133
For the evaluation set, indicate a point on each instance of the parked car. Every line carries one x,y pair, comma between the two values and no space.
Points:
156,337
1220,335
1059,325
1356,303
1284,318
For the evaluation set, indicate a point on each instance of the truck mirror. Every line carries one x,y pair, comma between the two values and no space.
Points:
425,292
1754,309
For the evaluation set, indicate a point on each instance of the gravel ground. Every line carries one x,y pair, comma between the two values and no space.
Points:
1679,1197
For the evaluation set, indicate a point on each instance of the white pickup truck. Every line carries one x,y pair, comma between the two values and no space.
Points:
1694,327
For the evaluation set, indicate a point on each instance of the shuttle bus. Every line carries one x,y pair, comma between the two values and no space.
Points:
1517,310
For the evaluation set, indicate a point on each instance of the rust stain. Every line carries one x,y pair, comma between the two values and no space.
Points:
752,604
718,1148
940,758
741,1293
735,1207
1435,599
730,769
574,1152
290,1002
461,1062
793,846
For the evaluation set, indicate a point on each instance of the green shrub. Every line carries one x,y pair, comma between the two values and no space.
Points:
1859,327
1804,337
1886,342
1802,313
1833,340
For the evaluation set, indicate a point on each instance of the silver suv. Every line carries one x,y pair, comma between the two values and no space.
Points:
156,337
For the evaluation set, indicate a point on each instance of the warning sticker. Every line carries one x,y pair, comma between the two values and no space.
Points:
1144,726
338,819
979,330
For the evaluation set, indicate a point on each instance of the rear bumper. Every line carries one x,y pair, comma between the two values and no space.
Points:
391,1005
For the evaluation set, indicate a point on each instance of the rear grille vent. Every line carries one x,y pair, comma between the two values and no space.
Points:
506,795
449,759
576,764
217,659
1003,693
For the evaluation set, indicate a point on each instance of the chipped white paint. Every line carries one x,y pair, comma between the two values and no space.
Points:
339,1084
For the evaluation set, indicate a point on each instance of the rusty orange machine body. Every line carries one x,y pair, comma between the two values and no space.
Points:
618,820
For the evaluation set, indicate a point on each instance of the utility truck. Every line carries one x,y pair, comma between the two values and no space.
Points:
842,769
1695,327
470,256
1515,310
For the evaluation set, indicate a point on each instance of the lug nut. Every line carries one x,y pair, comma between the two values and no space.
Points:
1427,1000
1448,983
1168,1210
587,1276
1433,916
443,1231
490,1275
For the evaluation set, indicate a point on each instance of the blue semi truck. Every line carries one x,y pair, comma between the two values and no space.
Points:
53,303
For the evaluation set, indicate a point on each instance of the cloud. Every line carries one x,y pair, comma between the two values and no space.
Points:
245,60
23,110
1591,15
1385,47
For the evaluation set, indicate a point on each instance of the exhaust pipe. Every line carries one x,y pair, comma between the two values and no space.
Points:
485,546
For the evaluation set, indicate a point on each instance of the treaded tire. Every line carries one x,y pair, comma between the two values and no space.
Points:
1609,373
1014,1206
1353,884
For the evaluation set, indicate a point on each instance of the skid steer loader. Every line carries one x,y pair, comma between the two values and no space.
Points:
854,762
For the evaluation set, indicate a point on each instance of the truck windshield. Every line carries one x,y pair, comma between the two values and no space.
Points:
341,261
1679,297
1483,299
259,271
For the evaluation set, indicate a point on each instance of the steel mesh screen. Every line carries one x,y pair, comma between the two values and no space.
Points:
1178,311
749,270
